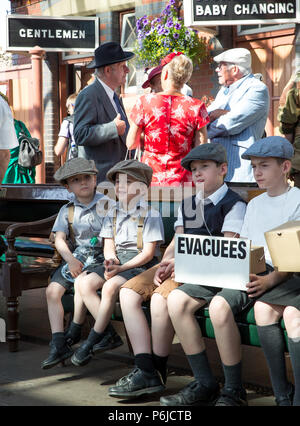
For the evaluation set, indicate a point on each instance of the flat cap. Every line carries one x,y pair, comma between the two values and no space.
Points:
137,170
208,151
272,146
75,166
238,56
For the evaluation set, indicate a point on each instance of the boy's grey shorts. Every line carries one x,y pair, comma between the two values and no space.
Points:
237,300
69,286
124,256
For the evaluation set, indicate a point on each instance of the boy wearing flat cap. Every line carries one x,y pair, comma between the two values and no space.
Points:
78,175
223,213
132,233
275,293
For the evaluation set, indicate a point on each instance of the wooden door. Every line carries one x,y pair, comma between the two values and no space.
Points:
273,55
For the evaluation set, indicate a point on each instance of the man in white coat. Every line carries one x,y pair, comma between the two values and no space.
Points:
239,113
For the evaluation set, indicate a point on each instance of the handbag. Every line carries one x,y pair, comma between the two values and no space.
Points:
29,151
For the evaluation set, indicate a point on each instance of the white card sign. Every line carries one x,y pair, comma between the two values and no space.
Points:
212,261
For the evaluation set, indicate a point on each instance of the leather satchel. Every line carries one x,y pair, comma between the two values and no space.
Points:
29,153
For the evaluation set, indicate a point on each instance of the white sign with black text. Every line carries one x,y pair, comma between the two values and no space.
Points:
244,12
212,261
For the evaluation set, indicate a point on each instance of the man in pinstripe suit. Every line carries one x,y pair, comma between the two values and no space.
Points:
238,114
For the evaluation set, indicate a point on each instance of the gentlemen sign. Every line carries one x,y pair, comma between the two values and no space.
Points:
232,12
212,261
52,34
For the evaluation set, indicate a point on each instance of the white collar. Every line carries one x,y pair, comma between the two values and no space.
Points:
109,91
215,197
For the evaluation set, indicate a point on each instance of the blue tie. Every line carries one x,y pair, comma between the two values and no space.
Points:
121,111
226,90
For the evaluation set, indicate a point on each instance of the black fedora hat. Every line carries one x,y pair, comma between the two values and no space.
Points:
109,53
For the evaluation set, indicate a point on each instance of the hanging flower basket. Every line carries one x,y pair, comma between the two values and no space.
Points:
167,33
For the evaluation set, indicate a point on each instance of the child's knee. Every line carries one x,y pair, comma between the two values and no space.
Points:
291,317
130,298
110,289
266,314
54,292
177,303
219,311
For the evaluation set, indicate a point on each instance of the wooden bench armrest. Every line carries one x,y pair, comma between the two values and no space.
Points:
30,228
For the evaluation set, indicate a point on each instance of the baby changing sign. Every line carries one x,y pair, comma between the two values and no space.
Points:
212,261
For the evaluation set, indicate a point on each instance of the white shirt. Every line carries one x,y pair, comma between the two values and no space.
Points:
110,93
265,213
8,137
233,221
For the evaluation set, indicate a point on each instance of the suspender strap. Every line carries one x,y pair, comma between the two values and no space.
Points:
70,222
140,229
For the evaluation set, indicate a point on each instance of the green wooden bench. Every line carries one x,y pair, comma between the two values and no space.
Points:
27,214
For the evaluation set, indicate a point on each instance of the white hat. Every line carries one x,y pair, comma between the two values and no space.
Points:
238,56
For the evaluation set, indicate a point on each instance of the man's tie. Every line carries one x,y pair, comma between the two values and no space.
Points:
121,111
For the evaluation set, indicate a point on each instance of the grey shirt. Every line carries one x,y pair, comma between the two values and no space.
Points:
87,221
127,225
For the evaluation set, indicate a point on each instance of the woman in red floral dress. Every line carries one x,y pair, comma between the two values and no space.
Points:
172,123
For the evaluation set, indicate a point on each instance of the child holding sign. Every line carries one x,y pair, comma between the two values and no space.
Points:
223,213
275,293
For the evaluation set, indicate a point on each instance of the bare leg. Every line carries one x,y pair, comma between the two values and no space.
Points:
87,285
182,309
135,321
226,331
110,291
162,327
54,293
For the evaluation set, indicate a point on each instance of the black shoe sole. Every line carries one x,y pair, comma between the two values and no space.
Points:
81,362
111,346
200,403
134,394
57,361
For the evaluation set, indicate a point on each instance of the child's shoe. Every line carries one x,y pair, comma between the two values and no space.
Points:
56,355
193,394
137,383
73,333
232,398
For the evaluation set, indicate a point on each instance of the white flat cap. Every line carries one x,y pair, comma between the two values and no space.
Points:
238,56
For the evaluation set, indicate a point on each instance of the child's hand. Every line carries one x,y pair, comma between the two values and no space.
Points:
75,267
111,267
166,268
112,271
258,285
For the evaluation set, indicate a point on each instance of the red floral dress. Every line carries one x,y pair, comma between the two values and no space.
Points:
169,123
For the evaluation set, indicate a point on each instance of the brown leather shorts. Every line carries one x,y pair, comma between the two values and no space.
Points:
143,284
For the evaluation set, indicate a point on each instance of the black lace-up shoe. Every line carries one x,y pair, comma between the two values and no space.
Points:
107,343
56,356
137,383
193,394
232,398
83,354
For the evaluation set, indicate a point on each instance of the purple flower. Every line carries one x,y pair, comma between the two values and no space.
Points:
177,26
169,23
176,35
145,21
